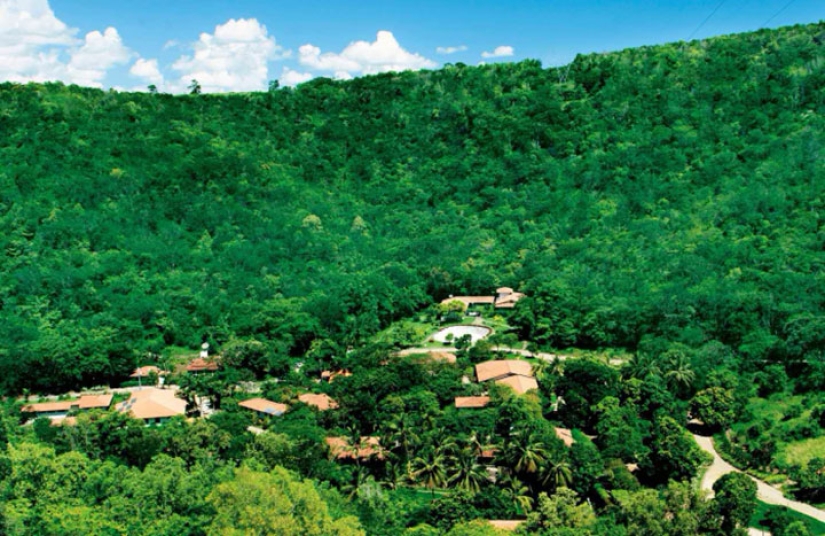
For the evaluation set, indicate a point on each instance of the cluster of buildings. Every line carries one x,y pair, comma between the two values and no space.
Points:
505,298
514,373
154,405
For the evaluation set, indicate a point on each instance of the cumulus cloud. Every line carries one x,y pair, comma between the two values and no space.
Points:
99,53
499,52
31,39
234,58
147,70
362,57
450,50
37,46
291,77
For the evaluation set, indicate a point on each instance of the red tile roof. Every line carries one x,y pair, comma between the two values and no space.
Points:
152,403
95,401
519,384
262,405
48,407
471,401
200,364
142,372
320,401
491,370
84,402
566,435
329,375
340,448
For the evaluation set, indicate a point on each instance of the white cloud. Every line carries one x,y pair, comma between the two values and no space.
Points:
37,46
499,52
290,77
450,50
99,53
234,58
147,70
31,39
361,57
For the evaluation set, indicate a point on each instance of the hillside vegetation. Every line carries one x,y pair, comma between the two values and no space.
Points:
645,198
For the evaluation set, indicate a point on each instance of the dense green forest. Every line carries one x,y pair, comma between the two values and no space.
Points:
660,194
660,201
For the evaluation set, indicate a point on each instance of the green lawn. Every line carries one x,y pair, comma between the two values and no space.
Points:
816,527
800,452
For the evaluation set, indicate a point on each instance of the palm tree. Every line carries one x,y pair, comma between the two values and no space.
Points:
466,473
403,435
557,474
526,455
641,366
679,375
429,469
516,491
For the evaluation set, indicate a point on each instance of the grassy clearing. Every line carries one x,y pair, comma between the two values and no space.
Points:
816,527
801,452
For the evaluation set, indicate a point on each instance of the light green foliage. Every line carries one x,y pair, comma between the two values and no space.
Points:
561,510
275,503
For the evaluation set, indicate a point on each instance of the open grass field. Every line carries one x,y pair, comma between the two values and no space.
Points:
800,452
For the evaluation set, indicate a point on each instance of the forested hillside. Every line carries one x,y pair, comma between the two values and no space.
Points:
660,195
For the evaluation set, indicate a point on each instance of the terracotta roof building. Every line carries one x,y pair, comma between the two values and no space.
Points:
516,374
341,448
49,409
61,408
264,407
519,384
506,298
200,364
471,401
566,435
329,375
321,401
153,405
143,372
502,368
95,401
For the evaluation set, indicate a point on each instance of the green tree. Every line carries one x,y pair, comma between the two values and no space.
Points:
734,500
562,510
274,503
714,407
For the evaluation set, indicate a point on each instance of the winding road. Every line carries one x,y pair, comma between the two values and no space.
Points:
764,491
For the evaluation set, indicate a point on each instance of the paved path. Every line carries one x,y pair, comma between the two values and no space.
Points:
764,491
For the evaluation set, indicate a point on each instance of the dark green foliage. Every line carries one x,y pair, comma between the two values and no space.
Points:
667,201
734,501
671,191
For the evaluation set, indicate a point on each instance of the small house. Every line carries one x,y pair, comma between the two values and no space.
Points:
152,405
471,401
263,407
321,401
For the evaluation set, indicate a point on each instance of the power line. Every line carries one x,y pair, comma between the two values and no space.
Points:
712,13
786,6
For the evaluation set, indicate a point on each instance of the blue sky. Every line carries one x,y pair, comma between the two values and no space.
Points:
240,45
